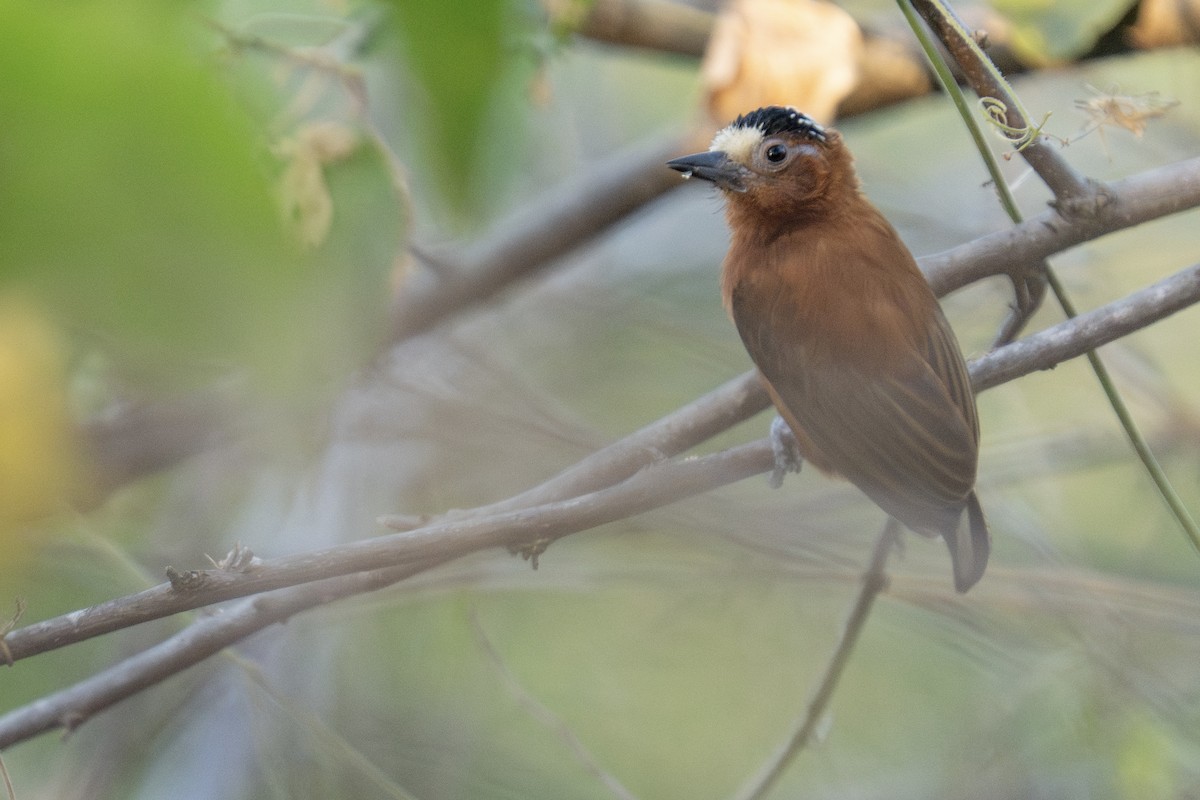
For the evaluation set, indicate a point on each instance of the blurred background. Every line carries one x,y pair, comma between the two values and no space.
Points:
218,222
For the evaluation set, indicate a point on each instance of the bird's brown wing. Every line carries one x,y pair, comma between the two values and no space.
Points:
906,435
944,357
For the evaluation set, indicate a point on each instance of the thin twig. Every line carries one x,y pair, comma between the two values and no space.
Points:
9,791
8,625
874,581
530,239
1143,197
538,710
1087,331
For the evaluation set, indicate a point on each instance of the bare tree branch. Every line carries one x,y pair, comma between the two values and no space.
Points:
1131,201
1074,193
71,707
650,488
439,542
418,550
535,235
874,581
451,538
138,438
1107,324
661,25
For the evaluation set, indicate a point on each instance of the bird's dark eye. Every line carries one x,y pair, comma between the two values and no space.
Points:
776,153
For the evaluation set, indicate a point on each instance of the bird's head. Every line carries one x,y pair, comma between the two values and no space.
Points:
775,161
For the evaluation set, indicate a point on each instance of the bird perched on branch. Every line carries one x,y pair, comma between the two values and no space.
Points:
847,335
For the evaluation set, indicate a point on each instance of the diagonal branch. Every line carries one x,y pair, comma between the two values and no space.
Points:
1078,335
540,712
530,239
874,581
415,551
71,707
445,540
1134,200
1147,196
424,548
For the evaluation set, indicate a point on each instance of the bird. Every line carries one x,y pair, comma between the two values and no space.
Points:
847,335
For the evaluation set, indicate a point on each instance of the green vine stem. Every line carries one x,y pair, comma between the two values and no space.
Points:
1074,193
1153,468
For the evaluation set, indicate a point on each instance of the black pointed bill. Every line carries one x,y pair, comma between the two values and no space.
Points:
711,165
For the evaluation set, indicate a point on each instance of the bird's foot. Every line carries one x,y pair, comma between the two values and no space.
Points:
786,451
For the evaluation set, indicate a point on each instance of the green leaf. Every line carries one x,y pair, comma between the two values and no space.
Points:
463,54
135,196
1051,32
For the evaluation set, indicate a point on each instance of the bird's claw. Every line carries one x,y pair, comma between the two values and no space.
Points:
786,451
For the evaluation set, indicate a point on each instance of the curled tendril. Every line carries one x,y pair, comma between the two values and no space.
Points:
996,112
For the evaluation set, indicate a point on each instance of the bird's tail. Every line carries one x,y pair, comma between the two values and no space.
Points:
969,544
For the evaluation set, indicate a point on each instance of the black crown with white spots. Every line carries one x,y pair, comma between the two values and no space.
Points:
781,119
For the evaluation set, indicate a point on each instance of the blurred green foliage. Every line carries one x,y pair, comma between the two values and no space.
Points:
1047,33
141,201
465,56
134,195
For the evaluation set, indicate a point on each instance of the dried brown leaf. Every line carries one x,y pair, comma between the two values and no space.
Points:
802,53
888,73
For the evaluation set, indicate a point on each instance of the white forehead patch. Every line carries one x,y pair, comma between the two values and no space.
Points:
738,141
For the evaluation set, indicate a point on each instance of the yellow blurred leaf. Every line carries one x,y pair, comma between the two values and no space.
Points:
1145,765
38,463
802,53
